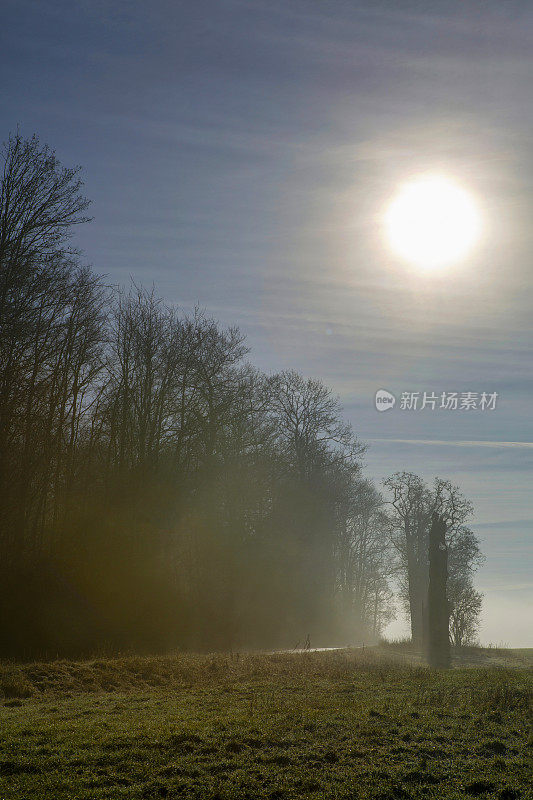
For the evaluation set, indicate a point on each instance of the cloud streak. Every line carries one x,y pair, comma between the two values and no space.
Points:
459,443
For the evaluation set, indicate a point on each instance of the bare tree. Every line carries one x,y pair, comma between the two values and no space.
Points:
465,557
414,505
40,201
364,559
409,526
465,610
310,422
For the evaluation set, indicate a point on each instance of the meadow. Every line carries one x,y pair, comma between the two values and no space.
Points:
346,724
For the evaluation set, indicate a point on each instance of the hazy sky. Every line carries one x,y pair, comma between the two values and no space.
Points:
240,155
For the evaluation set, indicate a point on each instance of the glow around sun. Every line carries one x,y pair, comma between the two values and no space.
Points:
432,222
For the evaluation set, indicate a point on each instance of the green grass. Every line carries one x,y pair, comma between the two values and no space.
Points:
318,725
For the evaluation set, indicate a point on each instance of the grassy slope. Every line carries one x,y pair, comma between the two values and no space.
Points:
323,725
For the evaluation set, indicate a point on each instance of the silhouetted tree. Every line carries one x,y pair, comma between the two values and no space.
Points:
413,505
465,610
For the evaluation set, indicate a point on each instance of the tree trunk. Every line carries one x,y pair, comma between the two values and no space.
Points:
438,609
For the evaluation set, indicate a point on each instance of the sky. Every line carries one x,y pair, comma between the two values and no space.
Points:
240,155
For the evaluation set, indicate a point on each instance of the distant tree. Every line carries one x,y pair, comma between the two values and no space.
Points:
320,455
364,558
413,505
409,521
465,610
464,557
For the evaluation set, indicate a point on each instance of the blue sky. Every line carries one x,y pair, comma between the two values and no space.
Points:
240,155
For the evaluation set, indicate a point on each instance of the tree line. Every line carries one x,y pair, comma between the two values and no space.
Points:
158,491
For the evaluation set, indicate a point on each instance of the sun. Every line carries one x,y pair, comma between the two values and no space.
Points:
432,222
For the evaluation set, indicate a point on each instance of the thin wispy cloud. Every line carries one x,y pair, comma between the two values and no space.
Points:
458,443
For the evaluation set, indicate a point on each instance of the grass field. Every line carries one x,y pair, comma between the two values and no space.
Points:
345,724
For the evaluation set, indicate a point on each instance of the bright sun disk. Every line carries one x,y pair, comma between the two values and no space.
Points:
432,222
